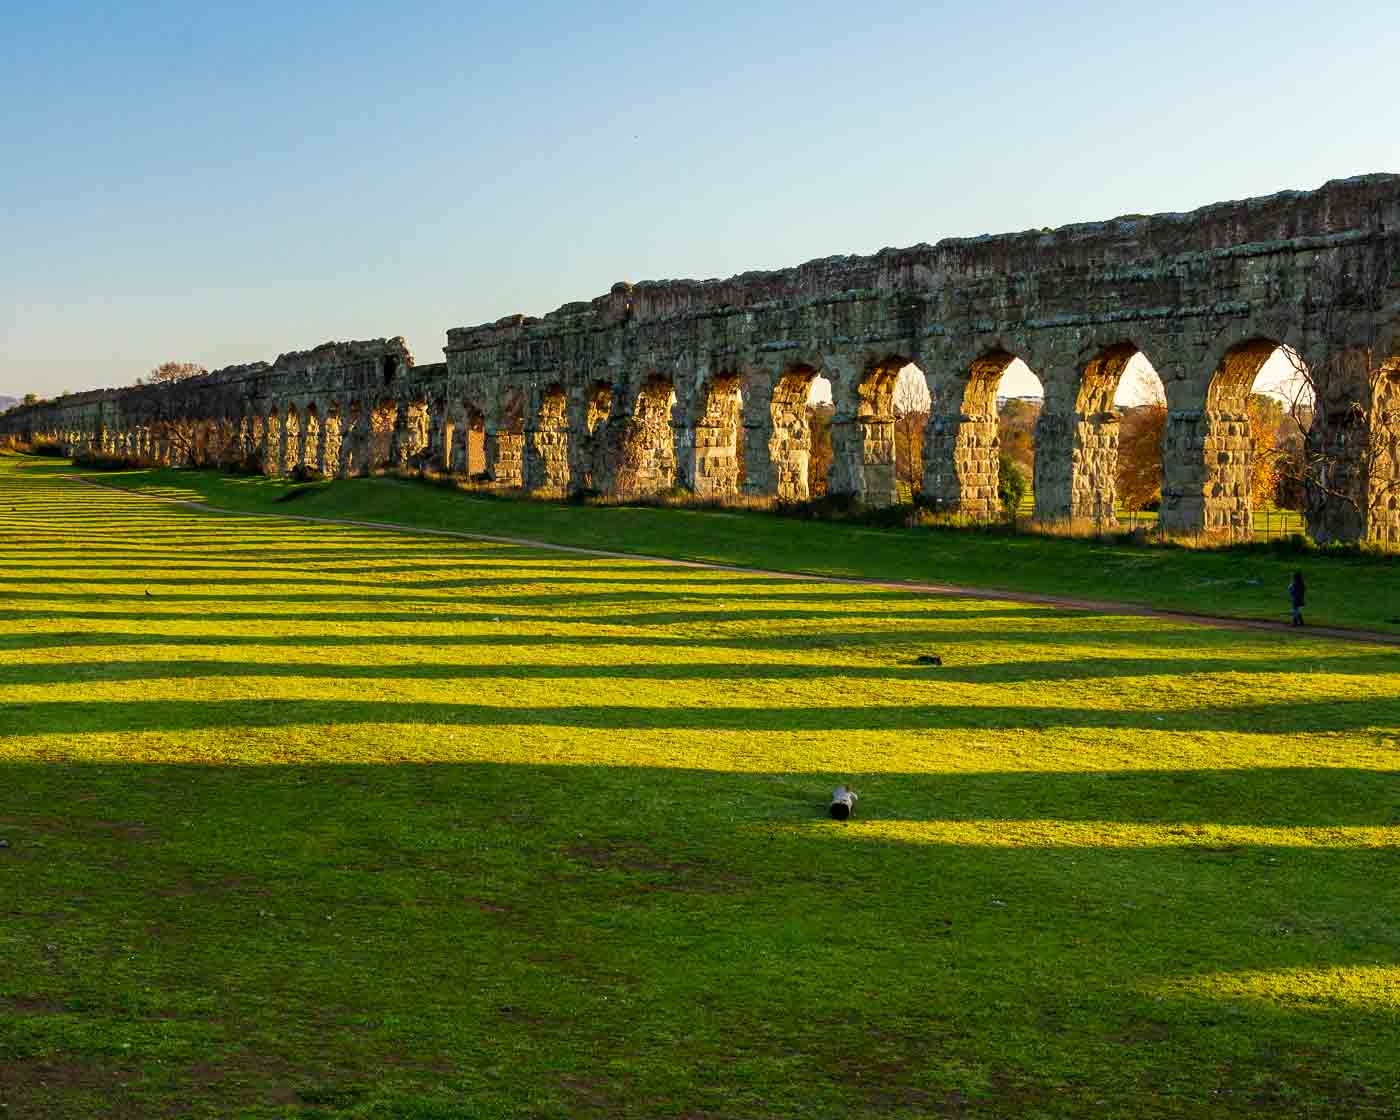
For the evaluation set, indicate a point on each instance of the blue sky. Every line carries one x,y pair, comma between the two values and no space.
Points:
221,184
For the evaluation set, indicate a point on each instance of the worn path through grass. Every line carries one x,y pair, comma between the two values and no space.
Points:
323,821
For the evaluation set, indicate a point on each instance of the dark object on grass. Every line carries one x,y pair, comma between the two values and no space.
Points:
148,594
928,659
843,804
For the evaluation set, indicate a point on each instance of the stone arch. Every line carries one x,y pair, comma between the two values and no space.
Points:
469,441
330,434
383,419
441,427
711,460
865,457
290,454
1383,460
217,441
547,467
1213,458
962,443
1076,454
355,439
311,435
640,450
255,449
505,440
591,410
411,432
272,442
789,443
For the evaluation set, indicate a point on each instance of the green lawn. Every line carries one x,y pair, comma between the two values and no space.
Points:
1360,592
315,821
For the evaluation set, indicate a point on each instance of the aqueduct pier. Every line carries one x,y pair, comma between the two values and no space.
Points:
678,382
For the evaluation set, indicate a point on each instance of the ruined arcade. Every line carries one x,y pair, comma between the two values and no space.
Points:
683,383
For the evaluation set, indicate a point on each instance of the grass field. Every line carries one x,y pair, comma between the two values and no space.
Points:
1361,592
315,821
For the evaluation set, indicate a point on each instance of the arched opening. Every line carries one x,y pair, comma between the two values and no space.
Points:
965,471
589,448
1020,402
388,366
353,457
717,468
441,426
911,402
820,414
799,407
255,457
332,433
291,440
471,441
1383,466
548,466
641,452
1137,403
382,419
411,434
1258,406
1077,441
508,460
311,447
876,451
272,444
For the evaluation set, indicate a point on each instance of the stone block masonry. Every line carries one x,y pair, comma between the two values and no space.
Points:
703,384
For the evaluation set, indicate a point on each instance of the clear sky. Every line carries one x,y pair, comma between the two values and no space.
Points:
220,183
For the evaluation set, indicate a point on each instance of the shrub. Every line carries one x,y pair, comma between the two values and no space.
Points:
96,462
1011,486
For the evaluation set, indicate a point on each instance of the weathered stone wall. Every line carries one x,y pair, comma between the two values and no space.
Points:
663,382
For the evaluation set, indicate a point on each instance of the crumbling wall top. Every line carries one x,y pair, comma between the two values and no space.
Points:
1365,204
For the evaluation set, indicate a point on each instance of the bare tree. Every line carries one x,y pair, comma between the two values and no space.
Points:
911,408
1266,414
1140,432
819,454
1346,404
167,372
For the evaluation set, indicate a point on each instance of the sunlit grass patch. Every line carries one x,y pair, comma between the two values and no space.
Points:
1358,591
1117,834
1375,988
320,820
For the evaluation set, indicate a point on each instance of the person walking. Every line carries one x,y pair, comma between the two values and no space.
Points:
1297,590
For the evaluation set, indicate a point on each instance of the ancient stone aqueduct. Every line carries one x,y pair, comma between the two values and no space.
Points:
673,383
